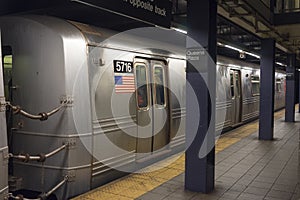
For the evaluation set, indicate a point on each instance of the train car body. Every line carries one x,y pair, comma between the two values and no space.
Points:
242,87
3,140
126,101
54,60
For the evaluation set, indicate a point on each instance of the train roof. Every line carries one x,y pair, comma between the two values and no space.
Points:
148,40
151,40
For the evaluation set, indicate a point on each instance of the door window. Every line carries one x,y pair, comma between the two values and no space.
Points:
159,88
231,84
255,85
278,85
141,85
237,83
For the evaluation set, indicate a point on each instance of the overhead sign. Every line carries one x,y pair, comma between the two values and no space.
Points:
156,12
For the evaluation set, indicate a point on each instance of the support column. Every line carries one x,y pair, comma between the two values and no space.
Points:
290,89
272,6
267,80
200,171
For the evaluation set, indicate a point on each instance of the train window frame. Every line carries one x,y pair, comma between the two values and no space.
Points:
237,79
154,88
279,82
256,81
7,71
232,92
147,86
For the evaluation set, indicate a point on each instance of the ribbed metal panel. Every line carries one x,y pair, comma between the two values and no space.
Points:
3,138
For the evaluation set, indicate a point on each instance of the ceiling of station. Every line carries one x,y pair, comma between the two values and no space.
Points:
247,37
260,22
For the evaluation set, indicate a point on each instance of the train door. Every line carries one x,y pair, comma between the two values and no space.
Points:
236,94
152,106
160,105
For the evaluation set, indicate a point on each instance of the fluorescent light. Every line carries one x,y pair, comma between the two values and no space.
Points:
281,64
239,50
252,54
233,48
246,52
179,30
235,66
247,68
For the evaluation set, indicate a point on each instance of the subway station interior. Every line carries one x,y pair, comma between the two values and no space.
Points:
150,100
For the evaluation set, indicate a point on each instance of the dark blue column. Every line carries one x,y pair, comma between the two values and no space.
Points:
290,89
272,5
267,79
200,171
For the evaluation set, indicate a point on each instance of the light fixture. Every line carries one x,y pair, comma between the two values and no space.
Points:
234,66
247,68
179,30
233,48
281,64
237,49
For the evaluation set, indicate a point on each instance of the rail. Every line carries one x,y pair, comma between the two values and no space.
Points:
40,158
43,116
42,196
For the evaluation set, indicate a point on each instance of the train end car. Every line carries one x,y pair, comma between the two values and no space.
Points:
105,106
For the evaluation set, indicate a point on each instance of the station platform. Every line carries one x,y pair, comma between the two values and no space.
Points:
246,168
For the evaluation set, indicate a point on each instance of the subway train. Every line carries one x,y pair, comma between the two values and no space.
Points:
106,105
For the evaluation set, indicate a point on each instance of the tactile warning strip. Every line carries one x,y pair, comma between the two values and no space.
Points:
135,185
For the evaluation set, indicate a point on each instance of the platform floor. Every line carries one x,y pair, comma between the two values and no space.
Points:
246,168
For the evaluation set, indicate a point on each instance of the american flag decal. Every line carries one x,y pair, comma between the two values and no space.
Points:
124,83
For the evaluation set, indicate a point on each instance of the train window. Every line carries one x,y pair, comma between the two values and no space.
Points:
231,84
278,85
141,85
7,70
255,85
158,77
237,82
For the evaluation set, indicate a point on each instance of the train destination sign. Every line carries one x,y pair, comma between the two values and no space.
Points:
156,12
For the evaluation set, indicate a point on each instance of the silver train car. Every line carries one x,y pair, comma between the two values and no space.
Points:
119,105
3,141
242,87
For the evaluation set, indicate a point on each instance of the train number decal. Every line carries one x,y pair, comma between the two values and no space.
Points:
123,66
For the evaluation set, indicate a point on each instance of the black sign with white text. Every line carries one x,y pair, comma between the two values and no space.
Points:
123,66
153,11
289,76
